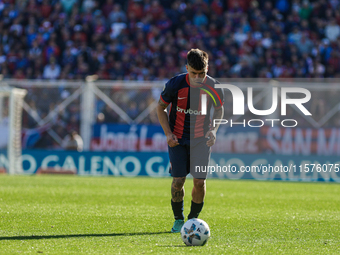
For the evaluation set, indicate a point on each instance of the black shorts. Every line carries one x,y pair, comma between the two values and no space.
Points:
190,156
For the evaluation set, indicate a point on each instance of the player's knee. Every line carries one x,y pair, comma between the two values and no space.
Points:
199,183
178,183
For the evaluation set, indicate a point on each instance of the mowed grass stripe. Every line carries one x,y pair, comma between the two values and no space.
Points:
117,215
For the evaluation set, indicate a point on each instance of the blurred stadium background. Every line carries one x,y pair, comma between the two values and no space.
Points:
97,68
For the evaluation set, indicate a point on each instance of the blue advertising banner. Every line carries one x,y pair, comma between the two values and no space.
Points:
97,163
232,166
275,167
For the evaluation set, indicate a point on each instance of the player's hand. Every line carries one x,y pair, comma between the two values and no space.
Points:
172,140
211,134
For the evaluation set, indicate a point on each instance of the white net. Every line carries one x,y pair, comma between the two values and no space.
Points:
11,101
110,114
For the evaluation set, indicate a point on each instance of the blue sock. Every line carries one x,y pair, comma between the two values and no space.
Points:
178,208
195,210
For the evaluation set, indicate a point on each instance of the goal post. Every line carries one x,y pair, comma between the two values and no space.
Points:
11,105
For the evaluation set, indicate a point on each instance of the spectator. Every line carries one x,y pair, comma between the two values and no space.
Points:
52,71
155,10
117,28
109,116
200,19
88,5
68,5
46,8
135,10
295,36
117,14
266,41
133,110
282,6
305,45
73,141
305,10
332,30
240,36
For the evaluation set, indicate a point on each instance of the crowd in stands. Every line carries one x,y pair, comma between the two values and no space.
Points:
148,40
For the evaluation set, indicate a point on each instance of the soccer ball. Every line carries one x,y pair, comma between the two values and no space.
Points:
195,232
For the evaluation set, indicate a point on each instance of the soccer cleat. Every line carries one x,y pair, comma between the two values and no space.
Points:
177,226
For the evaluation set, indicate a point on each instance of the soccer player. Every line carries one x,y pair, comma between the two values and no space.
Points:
188,130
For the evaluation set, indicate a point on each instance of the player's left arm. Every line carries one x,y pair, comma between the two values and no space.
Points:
211,134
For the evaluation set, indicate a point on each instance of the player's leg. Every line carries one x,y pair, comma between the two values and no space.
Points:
178,170
177,202
198,194
199,156
177,197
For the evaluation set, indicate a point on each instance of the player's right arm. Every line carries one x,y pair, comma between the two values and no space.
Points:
164,121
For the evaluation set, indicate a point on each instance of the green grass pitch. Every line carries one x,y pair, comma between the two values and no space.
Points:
117,215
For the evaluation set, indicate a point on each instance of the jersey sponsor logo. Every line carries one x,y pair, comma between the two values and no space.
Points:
189,111
181,98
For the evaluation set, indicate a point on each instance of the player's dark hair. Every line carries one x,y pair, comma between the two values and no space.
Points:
197,59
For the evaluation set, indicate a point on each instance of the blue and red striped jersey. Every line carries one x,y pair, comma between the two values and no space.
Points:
185,116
